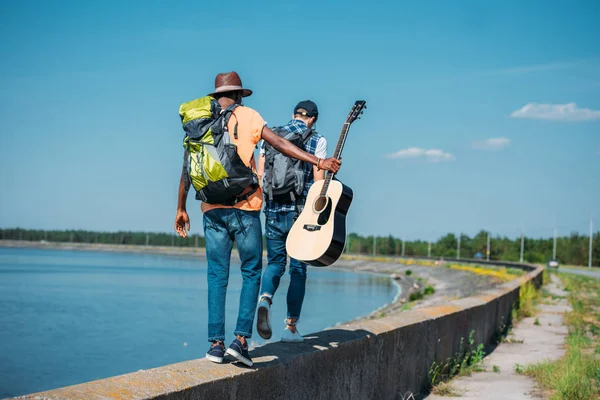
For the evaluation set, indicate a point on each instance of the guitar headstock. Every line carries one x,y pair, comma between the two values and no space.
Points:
356,111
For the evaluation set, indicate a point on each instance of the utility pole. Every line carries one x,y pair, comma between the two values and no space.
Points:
172,240
347,244
458,248
488,248
429,250
591,236
403,247
196,240
374,245
554,248
522,245
147,239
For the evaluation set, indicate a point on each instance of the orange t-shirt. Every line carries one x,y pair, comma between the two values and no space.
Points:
250,126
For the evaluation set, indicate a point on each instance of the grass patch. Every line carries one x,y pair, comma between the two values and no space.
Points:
408,272
576,376
414,296
509,339
421,293
537,322
468,359
496,369
446,389
519,369
528,299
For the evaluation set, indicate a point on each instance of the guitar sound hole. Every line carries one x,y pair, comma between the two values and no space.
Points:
325,214
320,204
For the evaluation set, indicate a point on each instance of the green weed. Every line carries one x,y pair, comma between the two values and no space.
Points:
469,358
576,376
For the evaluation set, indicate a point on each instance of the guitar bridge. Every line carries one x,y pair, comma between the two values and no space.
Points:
312,228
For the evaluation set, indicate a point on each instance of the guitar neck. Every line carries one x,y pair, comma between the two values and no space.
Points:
337,154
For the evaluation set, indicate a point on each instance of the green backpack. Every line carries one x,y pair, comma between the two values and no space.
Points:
212,164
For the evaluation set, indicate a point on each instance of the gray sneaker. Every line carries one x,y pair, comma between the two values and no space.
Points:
263,321
291,337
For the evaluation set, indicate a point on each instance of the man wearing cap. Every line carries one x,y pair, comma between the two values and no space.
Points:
280,217
240,223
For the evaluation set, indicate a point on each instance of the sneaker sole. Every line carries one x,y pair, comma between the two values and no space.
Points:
214,359
262,324
239,357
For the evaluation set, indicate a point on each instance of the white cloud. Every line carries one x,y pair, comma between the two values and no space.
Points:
431,155
491,144
556,112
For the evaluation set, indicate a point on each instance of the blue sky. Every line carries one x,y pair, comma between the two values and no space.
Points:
90,137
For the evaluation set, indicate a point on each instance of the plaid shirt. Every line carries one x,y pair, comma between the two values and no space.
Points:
297,126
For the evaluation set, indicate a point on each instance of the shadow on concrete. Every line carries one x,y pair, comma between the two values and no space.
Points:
278,352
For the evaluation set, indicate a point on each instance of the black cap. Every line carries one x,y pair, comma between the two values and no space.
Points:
309,106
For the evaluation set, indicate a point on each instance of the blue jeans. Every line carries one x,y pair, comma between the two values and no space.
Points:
276,231
222,227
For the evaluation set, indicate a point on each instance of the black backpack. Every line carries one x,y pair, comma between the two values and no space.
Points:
283,177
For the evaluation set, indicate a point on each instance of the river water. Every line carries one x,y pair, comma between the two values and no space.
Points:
68,317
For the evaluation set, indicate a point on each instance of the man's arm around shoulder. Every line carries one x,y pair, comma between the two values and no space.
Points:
287,148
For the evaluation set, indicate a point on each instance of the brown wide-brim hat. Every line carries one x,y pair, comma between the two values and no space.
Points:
229,82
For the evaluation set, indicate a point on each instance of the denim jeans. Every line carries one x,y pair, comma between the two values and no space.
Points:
277,228
222,227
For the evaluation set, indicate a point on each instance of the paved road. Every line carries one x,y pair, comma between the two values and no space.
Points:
594,272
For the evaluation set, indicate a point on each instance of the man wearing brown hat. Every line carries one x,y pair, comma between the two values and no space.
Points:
240,223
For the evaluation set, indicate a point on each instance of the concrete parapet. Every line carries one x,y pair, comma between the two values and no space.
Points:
383,358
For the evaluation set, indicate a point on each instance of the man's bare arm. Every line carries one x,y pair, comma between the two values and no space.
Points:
319,174
261,167
182,220
184,188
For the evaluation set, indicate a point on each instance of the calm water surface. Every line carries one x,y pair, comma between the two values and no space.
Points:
68,317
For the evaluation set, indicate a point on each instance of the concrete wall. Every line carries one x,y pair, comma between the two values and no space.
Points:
372,359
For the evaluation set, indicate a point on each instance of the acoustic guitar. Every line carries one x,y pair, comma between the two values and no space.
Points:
318,236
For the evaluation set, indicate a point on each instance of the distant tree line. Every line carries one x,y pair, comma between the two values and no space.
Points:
129,238
571,249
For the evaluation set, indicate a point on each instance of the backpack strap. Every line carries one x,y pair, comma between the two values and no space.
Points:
227,113
270,177
307,134
247,195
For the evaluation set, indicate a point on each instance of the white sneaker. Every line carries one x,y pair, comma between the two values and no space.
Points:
263,321
289,337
